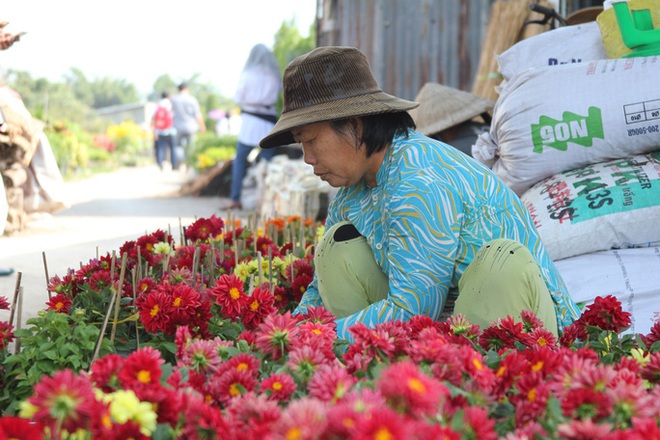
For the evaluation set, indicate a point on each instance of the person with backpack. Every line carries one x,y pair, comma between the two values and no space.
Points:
164,132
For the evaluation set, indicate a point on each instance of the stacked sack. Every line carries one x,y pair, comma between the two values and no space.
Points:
577,137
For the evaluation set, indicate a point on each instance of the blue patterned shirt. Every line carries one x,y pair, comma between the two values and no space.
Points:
432,210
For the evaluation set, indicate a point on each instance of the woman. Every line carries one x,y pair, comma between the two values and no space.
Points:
257,93
415,220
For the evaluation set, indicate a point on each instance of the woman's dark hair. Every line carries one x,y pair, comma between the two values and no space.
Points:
377,130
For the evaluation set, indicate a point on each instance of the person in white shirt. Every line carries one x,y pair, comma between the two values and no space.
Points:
257,93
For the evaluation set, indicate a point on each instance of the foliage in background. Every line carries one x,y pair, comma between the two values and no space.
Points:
83,141
210,149
131,141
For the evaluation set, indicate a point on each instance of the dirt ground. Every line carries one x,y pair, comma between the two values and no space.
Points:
104,211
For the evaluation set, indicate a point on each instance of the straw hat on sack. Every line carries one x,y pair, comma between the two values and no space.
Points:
326,84
442,107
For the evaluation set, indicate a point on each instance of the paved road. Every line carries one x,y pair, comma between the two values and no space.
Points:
105,211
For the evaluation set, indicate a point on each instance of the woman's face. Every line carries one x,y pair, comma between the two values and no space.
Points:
335,157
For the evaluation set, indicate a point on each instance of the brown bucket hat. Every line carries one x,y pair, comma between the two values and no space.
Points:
329,83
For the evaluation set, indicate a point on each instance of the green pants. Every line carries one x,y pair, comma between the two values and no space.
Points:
502,280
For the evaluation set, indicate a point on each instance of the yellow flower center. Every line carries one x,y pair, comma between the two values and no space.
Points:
500,371
542,342
177,302
293,434
477,364
234,391
154,311
416,385
317,331
242,366
59,306
348,422
144,376
234,293
277,386
254,305
383,434
537,366
531,395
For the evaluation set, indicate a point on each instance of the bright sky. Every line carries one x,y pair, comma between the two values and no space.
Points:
139,40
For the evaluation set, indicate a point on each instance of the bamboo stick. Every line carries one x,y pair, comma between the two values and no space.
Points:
137,327
43,258
17,288
17,344
120,289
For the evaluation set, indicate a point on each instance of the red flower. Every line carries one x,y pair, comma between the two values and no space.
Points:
409,390
230,385
653,336
145,285
257,307
383,423
203,421
651,371
60,303
253,416
100,280
4,304
104,372
299,286
142,369
605,313
205,229
64,285
154,311
501,334
229,295
477,425
6,335
278,387
19,428
244,362
64,400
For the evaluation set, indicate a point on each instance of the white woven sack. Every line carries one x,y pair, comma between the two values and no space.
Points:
630,275
563,45
614,204
552,119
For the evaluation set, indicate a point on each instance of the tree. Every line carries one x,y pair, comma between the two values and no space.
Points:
289,43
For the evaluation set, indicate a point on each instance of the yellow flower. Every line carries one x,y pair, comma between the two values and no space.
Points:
638,354
27,410
125,406
242,271
163,248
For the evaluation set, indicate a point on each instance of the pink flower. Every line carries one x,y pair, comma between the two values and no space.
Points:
303,419
583,429
330,383
64,400
274,334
